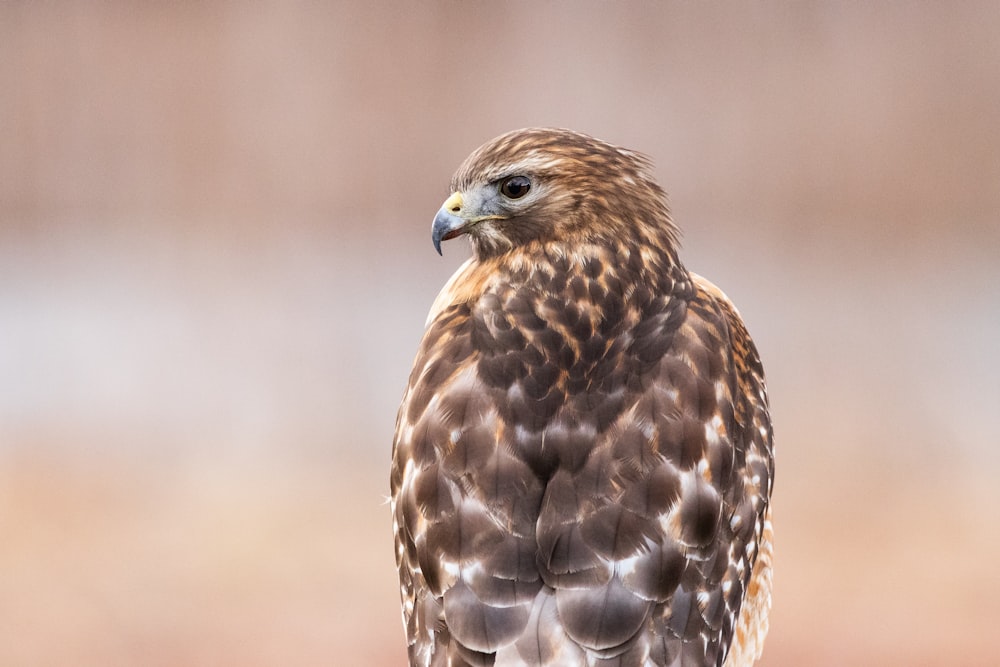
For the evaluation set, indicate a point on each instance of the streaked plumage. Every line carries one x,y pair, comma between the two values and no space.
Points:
582,463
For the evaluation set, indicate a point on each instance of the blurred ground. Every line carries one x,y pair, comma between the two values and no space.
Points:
215,265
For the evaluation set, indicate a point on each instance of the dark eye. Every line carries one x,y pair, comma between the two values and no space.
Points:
515,187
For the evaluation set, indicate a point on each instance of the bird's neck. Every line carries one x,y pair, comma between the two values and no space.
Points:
551,266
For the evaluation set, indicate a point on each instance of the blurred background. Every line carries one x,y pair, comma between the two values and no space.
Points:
215,264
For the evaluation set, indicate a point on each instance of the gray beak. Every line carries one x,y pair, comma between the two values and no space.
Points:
446,226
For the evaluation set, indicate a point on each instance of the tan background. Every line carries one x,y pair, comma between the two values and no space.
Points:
215,263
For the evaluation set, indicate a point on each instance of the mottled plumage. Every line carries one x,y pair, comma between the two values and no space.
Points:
582,463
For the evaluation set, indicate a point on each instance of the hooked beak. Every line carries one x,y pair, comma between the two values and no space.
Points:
447,223
456,218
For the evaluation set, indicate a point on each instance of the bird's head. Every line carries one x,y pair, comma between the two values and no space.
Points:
552,185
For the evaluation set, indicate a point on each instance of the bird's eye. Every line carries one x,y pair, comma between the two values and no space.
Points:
515,187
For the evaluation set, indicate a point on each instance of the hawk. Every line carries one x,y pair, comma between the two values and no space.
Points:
582,463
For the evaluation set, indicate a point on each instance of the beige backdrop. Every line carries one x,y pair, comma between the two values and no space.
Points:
215,262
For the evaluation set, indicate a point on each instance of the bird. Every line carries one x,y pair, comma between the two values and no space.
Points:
583,456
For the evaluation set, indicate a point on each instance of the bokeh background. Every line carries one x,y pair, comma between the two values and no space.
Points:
215,264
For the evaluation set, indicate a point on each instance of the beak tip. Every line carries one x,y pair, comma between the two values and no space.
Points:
446,226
